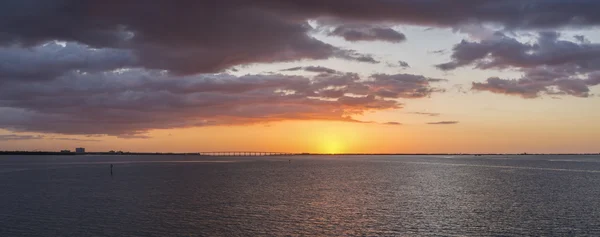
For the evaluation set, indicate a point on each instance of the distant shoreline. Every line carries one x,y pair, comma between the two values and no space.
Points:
49,153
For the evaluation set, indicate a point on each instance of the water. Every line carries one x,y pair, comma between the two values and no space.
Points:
309,196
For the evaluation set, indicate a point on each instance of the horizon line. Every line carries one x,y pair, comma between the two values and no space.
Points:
266,153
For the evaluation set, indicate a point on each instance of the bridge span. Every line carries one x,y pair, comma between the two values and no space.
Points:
246,153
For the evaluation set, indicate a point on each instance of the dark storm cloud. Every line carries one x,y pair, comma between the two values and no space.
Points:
368,33
443,123
127,103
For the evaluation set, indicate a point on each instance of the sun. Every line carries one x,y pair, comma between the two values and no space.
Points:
334,138
334,147
331,145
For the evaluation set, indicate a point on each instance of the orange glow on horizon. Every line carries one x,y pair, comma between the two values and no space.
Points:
495,135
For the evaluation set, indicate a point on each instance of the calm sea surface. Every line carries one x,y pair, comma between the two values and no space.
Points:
309,196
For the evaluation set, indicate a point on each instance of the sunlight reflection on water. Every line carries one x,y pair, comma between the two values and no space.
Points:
330,195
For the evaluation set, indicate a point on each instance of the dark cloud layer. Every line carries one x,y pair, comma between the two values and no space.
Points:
184,37
189,36
400,64
510,13
532,87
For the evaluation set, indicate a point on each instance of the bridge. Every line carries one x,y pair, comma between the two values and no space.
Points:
246,153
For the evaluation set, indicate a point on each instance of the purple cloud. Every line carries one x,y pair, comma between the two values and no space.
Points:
127,103
550,65
125,67
502,52
189,37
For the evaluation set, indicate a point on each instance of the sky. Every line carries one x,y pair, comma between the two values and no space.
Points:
327,76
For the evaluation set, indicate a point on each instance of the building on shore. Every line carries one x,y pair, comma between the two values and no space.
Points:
80,150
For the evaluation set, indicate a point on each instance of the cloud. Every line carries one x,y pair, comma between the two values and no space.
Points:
403,85
293,69
443,123
368,33
525,14
549,65
523,87
393,123
531,86
15,137
128,103
47,61
213,37
355,56
503,52
582,39
123,67
401,64
438,52
318,69
426,114
18,137
72,139
134,136
189,37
